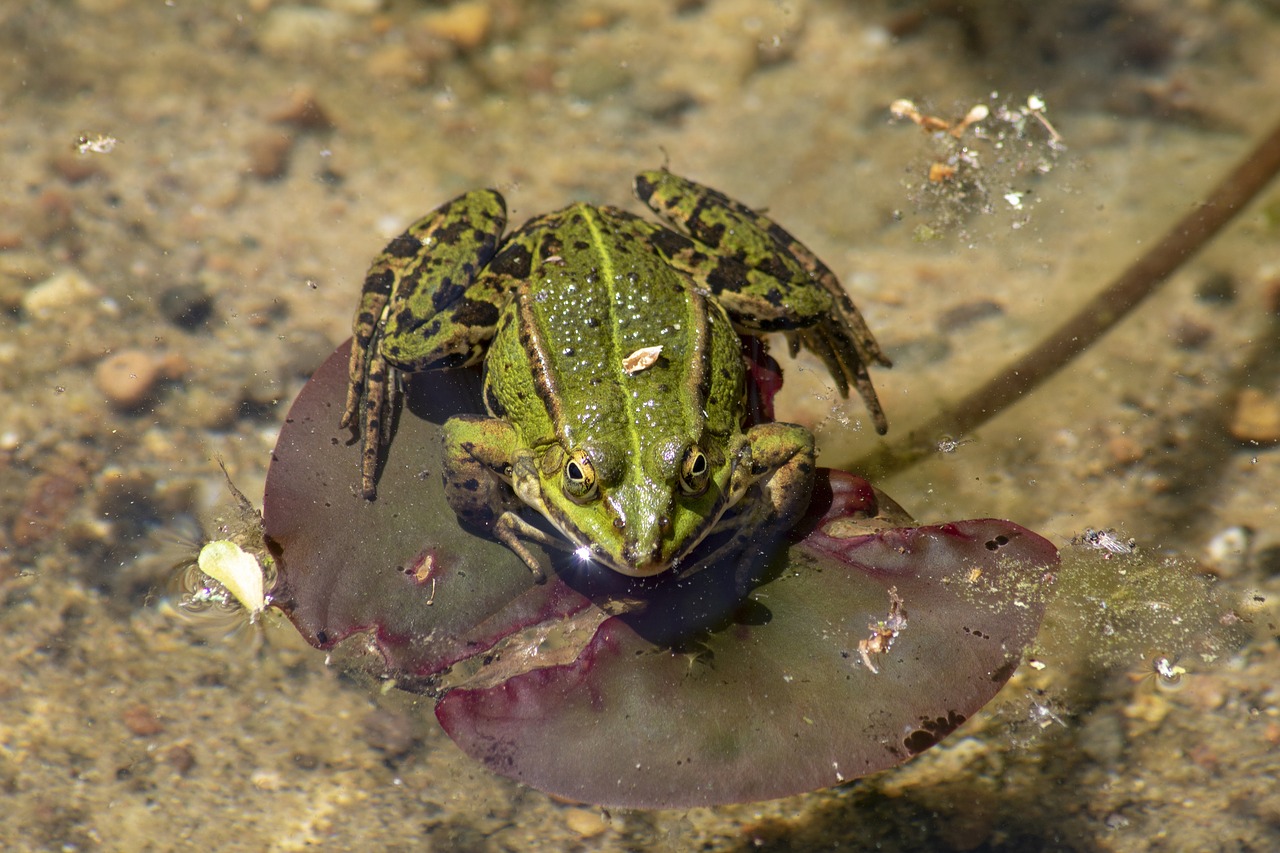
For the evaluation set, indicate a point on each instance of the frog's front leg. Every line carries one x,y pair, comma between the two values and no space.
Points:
424,305
481,456
782,462
771,485
766,279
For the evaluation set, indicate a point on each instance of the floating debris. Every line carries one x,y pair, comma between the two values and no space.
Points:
95,143
1105,540
884,632
238,573
641,359
947,444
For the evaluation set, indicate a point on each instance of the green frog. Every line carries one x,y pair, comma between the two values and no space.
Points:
613,371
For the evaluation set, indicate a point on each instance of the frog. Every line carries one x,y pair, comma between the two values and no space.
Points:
614,384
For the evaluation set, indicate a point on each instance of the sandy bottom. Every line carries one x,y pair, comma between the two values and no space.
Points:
192,193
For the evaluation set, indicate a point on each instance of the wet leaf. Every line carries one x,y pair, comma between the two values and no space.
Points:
846,649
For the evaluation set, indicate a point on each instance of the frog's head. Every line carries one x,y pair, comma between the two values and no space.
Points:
639,519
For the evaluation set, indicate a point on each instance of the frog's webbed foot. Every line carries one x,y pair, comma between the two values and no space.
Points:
841,340
373,398
512,531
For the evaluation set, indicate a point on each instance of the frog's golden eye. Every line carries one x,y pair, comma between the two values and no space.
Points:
579,477
695,472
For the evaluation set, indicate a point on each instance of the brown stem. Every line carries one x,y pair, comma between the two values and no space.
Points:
1092,321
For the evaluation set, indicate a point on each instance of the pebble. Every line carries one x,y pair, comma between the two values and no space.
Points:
188,305
1217,288
1256,417
398,63
18,270
180,758
1124,450
586,823
1190,334
74,168
355,7
55,295
142,721
206,408
1227,553
269,154
128,378
388,731
593,77
46,502
303,111
465,25
291,31
1271,294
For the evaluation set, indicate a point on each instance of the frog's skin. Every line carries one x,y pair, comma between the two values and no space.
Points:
634,460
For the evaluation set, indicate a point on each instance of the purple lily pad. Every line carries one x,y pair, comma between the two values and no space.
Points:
847,648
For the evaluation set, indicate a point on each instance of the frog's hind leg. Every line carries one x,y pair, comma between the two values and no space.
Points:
479,464
766,279
420,280
381,409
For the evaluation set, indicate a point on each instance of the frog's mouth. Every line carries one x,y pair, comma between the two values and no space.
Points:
642,560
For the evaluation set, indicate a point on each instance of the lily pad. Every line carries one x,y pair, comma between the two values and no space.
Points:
846,648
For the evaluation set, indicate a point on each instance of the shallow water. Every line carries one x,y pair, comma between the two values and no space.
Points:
217,236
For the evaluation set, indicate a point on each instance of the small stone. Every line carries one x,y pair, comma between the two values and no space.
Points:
1124,450
587,823
269,154
54,296
1191,334
593,77
19,270
302,111
1256,417
465,25
355,7
206,408
290,31
74,168
46,502
142,721
398,63
180,758
306,760
388,731
266,780
187,306
1218,288
1271,294
53,213
128,378
1227,553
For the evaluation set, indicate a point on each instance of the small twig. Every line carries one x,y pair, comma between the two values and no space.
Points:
1092,321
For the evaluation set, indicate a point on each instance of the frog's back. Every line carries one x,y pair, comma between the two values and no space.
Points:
595,293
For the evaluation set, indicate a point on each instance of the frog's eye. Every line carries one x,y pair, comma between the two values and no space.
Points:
579,477
695,472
